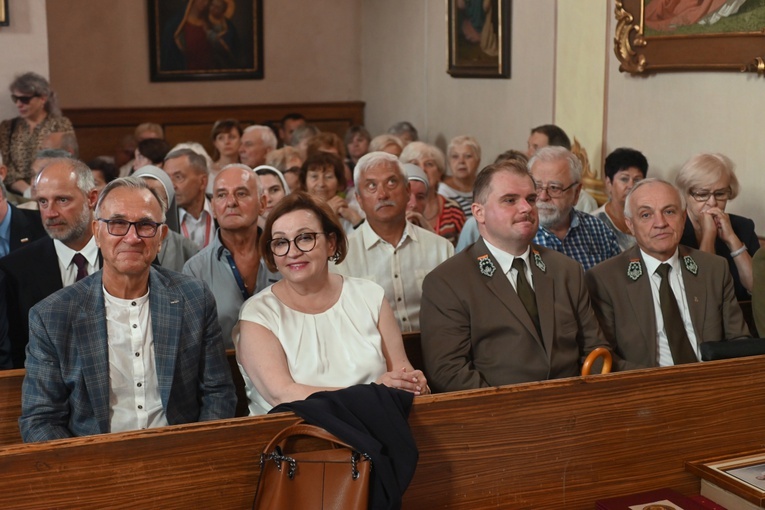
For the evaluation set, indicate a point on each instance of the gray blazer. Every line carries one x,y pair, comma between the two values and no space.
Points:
66,388
624,306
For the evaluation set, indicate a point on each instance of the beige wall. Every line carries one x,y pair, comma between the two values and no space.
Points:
23,47
404,75
99,55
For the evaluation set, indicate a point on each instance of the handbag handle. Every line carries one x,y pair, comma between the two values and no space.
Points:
303,429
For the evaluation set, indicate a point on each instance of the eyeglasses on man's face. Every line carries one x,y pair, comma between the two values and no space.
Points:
702,195
120,228
304,242
23,99
554,190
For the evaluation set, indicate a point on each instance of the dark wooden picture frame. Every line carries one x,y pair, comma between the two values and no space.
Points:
478,39
200,40
4,20
642,48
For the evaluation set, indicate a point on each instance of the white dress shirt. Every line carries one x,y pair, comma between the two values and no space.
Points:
505,261
399,269
67,267
200,230
664,354
134,399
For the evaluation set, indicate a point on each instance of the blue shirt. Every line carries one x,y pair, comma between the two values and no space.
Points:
5,233
588,241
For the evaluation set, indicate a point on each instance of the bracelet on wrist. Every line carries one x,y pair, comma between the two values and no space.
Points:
738,252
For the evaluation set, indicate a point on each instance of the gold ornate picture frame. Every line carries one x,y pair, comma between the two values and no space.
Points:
649,39
4,22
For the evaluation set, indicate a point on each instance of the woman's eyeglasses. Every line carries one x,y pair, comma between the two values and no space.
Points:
23,99
702,195
304,242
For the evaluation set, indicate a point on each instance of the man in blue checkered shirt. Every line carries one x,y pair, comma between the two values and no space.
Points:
584,238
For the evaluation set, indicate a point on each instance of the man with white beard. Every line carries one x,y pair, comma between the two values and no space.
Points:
66,194
558,174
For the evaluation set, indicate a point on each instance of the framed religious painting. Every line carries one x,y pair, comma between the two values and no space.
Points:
198,40
689,35
478,35
4,13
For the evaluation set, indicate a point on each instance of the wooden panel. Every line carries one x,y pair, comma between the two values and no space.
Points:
99,129
10,405
548,445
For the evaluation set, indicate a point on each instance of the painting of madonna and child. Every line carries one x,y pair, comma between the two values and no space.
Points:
703,17
205,39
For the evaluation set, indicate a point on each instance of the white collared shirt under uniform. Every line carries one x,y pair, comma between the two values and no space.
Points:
200,230
663,353
134,399
67,267
505,261
399,269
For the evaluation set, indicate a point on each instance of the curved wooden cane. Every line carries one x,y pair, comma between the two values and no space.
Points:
600,352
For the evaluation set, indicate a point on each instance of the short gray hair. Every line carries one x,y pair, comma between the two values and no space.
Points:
267,136
555,153
130,182
35,85
196,161
705,168
419,150
241,166
644,182
82,172
373,159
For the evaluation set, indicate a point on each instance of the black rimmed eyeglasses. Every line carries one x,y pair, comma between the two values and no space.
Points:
702,195
120,228
554,190
23,99
304,242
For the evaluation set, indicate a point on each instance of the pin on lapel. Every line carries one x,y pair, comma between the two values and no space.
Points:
486,265
175,301
691,265
538,261
25,240
634,269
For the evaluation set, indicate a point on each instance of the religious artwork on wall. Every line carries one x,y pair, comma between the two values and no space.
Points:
4,13
478,38
196,40
671,35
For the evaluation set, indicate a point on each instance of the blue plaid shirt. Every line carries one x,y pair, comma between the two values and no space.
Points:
588,241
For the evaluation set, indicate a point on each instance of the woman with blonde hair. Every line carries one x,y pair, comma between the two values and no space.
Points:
464,155
708,183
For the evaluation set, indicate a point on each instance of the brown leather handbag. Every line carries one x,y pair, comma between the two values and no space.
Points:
336,478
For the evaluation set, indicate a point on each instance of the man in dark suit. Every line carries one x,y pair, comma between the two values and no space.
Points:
488,322
66,194
131,346
18,227
626,290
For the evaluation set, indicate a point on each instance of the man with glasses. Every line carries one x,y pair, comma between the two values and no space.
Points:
232,265
584,238
129,347
659,300
387,248
66,194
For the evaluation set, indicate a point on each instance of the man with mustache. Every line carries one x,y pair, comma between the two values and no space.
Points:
584,238
387,248
505,311
65,192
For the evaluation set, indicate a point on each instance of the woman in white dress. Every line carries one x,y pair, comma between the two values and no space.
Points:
314,330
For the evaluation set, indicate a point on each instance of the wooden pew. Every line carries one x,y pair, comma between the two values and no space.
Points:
549,445
10,405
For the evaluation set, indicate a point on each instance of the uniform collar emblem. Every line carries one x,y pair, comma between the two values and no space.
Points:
486,265
634,269
691,265
538,261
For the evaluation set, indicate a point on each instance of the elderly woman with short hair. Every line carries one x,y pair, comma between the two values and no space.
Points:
708,183
445,216
464,155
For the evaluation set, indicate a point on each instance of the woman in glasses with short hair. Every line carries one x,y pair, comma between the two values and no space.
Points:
22,136
315,330
708,183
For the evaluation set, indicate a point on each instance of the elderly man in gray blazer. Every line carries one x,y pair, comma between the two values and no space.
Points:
644,328
131,346
505,311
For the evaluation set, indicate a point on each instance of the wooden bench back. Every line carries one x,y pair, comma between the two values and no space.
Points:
548,445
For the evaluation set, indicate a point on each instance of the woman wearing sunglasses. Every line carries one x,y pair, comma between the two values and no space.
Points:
708,183
315,330
22,136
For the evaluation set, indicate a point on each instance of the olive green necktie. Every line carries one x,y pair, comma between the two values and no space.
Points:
526,293
679,345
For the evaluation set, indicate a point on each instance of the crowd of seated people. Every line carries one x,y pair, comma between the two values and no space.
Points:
310,254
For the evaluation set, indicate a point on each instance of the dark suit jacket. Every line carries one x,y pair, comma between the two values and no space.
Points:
476,332
66,388
26,226
625,308
5,341
32,274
